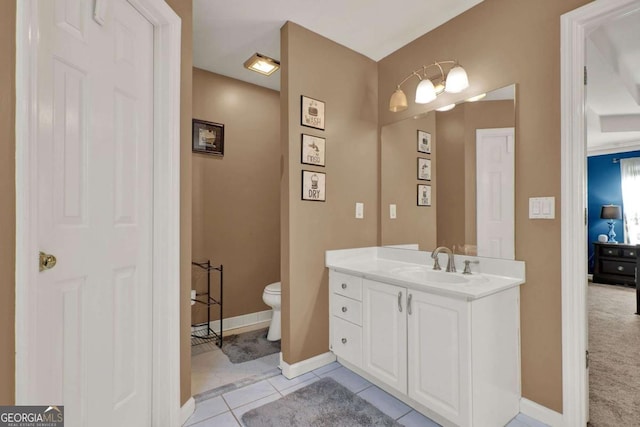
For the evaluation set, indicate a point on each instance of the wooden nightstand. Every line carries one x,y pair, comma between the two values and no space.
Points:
616,263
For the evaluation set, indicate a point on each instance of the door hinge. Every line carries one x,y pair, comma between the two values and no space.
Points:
587,358
586,217
585,75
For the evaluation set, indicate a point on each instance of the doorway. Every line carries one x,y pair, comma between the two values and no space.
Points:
576,25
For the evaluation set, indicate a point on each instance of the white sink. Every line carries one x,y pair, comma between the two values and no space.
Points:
427,274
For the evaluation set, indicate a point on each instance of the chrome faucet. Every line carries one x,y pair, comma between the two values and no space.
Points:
451,266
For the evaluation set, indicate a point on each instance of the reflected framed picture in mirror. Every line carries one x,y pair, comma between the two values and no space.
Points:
424,142
424,169
424,195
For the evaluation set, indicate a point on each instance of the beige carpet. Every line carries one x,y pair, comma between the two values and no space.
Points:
614,347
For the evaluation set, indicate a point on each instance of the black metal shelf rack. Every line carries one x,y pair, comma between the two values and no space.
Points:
202,332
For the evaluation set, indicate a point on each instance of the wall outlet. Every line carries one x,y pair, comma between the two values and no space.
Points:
392,212
359,210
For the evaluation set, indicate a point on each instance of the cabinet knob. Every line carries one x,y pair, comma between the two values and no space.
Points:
344,340
344,286
620,268
344,309
632,254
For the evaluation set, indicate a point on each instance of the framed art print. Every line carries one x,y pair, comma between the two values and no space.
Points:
312,113
312,150
424,195
424,169
313,186
424,142
207,137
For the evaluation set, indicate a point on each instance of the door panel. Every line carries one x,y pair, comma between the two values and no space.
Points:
92,311
438,347
385,333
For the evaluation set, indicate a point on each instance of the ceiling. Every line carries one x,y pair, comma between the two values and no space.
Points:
613,86
226,33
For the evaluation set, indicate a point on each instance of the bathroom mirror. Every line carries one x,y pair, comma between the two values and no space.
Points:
465,159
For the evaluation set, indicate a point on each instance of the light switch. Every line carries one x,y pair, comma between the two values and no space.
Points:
542,207
392,211
359,210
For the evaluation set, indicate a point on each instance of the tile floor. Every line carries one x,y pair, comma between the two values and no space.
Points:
211,368
227,409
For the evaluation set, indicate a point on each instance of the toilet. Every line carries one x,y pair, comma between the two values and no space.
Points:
271,297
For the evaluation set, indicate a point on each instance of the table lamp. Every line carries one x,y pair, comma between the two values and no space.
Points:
611,213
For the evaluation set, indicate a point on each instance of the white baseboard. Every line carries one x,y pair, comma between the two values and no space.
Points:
242,321
304,366
541,413
187,410
590,277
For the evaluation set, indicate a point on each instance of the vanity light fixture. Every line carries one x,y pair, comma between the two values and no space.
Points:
262,64
429,87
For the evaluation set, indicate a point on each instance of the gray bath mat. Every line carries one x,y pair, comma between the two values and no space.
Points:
249,346
324,403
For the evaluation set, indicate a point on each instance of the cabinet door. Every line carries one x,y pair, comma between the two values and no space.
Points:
439,367
384,326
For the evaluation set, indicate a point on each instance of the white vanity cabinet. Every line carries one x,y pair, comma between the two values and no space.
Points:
454,359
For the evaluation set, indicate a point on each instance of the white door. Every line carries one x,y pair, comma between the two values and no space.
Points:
495,193
439,354
90,333
385,333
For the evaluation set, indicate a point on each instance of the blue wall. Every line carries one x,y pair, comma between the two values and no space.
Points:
603,188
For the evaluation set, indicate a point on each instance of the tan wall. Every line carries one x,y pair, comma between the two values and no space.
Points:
184,9
456,174
398,184
317,67
236,198
500,42
7,199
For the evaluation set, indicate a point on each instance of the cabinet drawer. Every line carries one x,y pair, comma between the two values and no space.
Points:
347,309
346,340
619,267
629,253
344,284
608,251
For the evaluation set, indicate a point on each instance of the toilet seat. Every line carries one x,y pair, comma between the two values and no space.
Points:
273,289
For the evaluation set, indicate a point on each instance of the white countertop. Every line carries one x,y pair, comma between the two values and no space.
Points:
390,266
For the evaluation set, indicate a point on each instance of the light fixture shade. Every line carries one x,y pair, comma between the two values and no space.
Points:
398,101
610,212
457,80
425,92
446,108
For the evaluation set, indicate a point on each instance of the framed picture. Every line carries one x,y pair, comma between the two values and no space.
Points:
207,138
312,113
424,195
313,186
312,150
424,142
424,169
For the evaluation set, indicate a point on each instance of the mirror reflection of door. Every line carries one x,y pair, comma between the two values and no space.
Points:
495,192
